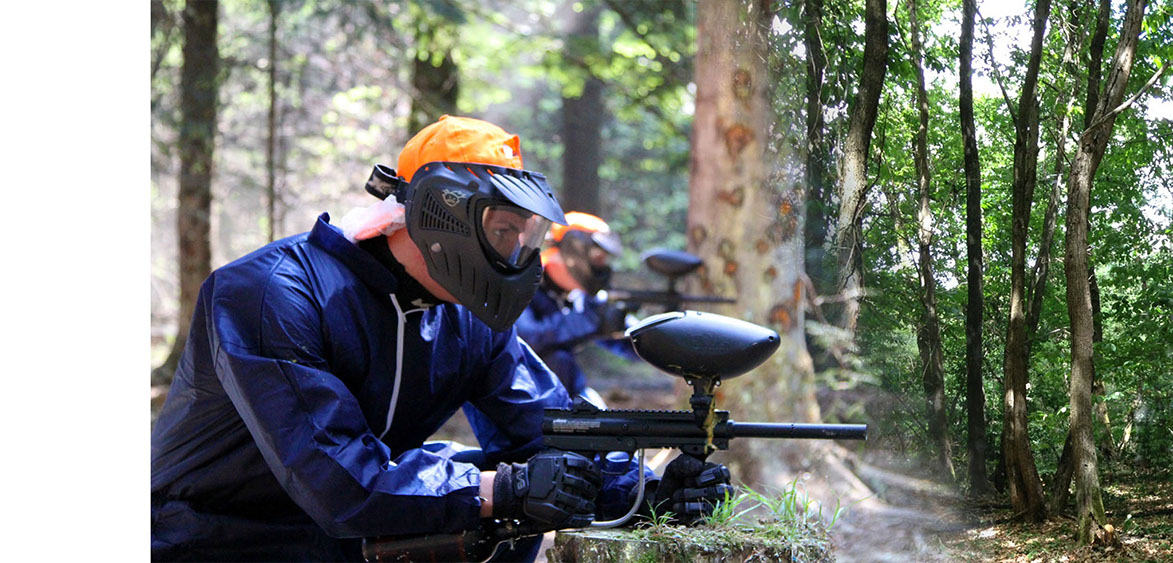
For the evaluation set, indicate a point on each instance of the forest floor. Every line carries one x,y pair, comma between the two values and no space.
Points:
1139,503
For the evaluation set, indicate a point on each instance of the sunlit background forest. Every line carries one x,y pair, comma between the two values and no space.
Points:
913,275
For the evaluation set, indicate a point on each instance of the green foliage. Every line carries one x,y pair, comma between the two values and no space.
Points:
794,509
1130,246
658,522
726,512
344,90
787,523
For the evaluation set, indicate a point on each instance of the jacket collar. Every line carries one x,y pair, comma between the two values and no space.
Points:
365,267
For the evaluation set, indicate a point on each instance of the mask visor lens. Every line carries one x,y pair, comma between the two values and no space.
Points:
514,235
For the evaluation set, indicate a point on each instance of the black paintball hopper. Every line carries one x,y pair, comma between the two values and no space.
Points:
696,345
671,263
704,349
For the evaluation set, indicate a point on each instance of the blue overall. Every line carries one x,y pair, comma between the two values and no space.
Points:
297,419
556,331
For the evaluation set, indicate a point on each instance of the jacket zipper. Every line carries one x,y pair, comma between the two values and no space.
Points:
402,319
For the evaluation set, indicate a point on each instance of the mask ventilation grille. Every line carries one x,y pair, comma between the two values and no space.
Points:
436,218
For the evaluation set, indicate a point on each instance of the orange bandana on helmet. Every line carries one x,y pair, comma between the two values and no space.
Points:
451,139
459,139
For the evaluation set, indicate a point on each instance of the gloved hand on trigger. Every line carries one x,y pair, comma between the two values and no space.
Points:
553,489
691,488
609,320
612,321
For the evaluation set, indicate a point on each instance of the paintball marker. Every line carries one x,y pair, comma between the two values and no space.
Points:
672,264
702,348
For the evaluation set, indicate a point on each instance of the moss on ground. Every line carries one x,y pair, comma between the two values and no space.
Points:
767,541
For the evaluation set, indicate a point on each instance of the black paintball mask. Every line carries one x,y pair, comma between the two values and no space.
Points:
479,228
587,257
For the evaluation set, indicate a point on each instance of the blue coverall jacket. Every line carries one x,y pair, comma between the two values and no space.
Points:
555,333
297,419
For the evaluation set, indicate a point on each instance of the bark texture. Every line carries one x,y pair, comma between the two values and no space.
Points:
929,332
1092,146
198,88
1061,486
1026,489
854,186
745,219
975,395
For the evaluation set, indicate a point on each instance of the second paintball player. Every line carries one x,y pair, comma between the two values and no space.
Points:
567,312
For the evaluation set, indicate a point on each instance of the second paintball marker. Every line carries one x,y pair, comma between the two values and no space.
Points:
672,264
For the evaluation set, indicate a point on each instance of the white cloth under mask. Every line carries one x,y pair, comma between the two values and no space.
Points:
382,218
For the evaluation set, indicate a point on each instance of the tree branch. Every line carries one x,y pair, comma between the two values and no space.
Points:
1111,114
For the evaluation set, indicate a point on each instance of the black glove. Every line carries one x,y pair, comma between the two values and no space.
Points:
609,320
691,488
612,320
553,489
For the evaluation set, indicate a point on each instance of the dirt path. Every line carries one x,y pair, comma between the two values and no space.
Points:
877,531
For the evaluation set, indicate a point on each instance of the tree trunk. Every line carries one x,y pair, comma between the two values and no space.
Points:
271,145
1092,145
1066,468
1026,490
582,120
198,88
738,173
1043,261
975,394
817,196
1062,484
818,188
1093,90
853,191
434,77
929,332
1107,441
1096,62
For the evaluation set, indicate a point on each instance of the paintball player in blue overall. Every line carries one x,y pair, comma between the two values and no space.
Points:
567,311
318,366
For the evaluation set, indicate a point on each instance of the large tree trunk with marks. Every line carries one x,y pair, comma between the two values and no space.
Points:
1026,489
744,220
975,394
853,190
198,88
1092,145
582,120
928,338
